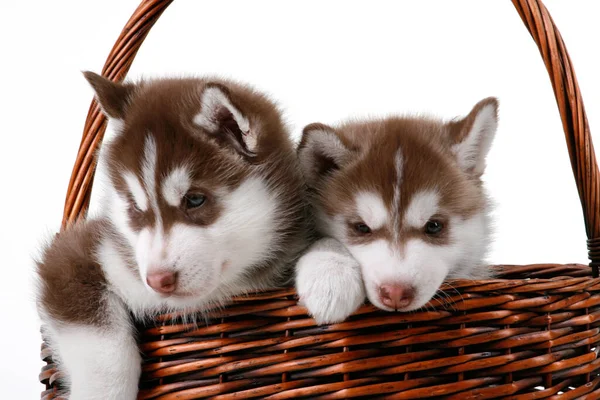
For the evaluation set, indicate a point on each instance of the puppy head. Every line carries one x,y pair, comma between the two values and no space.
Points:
189,189
404,195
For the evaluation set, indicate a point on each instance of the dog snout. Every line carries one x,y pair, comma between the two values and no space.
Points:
396,295
163,282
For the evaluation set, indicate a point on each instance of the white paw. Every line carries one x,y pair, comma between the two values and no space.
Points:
329,282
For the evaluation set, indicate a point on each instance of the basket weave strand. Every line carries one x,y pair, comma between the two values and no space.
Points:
532,333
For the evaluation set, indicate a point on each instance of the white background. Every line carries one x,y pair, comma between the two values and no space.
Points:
323,61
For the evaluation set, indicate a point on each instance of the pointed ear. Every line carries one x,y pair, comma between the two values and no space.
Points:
472,135
221,117
112,97
321,152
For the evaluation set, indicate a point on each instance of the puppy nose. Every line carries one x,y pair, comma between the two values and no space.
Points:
162,281
396,295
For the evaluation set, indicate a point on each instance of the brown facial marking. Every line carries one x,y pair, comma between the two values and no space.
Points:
356,237
203,215
162,115
440,238
139,219
206,214
428,164
165,110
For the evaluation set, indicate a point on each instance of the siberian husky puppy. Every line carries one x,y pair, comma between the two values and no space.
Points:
206,201
401,205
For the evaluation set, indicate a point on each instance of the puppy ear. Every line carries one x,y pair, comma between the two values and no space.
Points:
223,119
321,152
112,97
472,136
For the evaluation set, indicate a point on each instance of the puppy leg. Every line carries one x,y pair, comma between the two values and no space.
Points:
329,282
100,362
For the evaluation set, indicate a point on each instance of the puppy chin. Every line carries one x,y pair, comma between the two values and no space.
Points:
412,307
380,306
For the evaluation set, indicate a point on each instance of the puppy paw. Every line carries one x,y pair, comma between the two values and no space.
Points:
329,282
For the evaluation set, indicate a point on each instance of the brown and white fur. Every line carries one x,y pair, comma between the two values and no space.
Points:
205,201
401,206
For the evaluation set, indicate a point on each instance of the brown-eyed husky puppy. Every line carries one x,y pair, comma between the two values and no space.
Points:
402,208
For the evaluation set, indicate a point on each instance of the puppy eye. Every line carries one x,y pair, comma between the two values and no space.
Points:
362,228
194,200
133,207
433,227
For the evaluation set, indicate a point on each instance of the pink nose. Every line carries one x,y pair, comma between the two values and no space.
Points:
162,281
396,295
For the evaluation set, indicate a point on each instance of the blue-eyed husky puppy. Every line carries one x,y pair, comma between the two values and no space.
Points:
205,201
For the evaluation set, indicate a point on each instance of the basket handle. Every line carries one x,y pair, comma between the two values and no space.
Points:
536,18
538,21
115,68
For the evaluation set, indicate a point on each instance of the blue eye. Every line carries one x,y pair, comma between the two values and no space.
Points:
194,200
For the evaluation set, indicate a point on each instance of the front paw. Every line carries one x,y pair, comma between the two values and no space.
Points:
329,283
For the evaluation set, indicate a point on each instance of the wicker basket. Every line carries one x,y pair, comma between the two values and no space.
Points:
533,334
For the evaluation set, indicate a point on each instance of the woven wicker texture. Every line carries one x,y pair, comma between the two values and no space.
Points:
530,334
